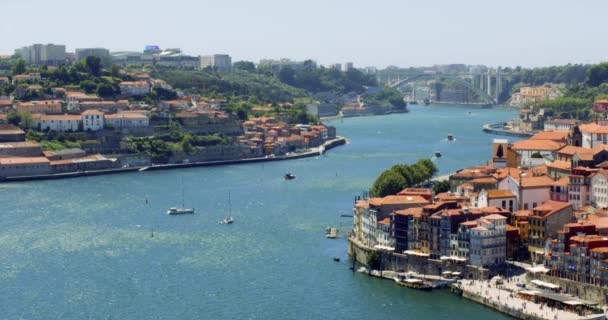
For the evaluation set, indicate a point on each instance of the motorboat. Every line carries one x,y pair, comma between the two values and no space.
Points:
450,137
413,283
228,219
438,154
289,176
176,211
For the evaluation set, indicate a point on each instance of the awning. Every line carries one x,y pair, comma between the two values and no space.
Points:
545,284
416,253
538,269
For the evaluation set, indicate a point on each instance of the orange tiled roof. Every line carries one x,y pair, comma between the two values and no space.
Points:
593,128
416,212
561,165
391,200
535,182
540,145
557,135
23,160
483,180
495,194
551,207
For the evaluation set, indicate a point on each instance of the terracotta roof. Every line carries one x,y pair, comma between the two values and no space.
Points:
502,173
391,200
540,145
572,150
415,191
23,144
469,224
593,128
23,160
495,217
92,111
563,182
550,207
561,165
497,194
64,117
362,204
415,212
557,135
487,180
125,115
535,182
523,213
600,249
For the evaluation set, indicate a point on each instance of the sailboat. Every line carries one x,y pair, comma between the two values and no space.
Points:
183,209
228,219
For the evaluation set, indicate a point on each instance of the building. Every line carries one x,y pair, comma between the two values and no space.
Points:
579,186
10,133
92,120
531,191
599,189
41,107
505,199
220,62
593,134
23,166
61,123
277,65
348,66
134,88
544,223
126,120
488,246
560,124
101,53
536,152
527,95
20,149
322,109
43,54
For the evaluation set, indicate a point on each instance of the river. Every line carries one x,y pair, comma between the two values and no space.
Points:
91,248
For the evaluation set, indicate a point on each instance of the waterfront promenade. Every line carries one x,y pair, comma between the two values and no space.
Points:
312,152
504,298
499,129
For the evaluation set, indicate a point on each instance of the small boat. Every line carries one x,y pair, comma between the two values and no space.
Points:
289,176
413,283
331,233
228,219
336,259
438,154
176,211
183,209
450,137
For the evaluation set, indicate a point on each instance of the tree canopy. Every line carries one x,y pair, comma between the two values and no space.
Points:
402,176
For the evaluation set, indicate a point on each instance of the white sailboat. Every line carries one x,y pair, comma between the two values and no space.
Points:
183,209
228,219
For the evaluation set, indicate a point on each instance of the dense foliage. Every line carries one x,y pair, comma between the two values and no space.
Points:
326,79
161,147
387,96
441,186
402,176
226,84
568,108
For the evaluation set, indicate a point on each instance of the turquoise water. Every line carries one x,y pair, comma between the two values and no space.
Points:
82,248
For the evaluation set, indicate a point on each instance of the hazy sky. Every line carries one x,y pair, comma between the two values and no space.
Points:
379,33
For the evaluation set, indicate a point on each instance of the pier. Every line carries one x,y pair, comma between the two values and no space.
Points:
498,128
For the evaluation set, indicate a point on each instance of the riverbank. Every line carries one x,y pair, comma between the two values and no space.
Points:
338,141
498,128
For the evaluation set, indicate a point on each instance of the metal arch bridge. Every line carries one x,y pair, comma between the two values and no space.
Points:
457,78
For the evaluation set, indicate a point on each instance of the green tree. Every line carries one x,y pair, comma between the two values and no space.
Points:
19,67
390,182
93,65
441,186
115,70
106,90
429,165
374,260
287,75
245,66
597,74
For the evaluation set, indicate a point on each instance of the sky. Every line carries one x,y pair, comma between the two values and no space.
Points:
528,33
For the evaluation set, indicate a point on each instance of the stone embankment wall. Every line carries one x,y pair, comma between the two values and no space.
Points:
581,290
422,265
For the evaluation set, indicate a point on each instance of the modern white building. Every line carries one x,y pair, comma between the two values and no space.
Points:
92,120
489,241
38,54
221,62
101,53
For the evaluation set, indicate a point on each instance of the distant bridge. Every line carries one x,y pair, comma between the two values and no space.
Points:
457,77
